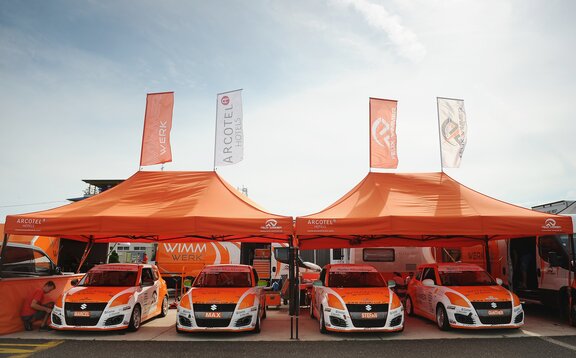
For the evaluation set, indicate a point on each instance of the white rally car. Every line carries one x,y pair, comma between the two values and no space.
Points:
112,297
462,296
223,298
353,298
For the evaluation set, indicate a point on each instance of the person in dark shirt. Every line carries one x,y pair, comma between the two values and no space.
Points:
35,309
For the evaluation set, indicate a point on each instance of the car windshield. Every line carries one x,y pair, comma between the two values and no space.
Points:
466,278
223,279
355,279
109,278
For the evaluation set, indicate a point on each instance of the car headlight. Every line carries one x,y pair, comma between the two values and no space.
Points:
121,300
334,302
515,300
58,302
395,302
185,302
247,302
457,300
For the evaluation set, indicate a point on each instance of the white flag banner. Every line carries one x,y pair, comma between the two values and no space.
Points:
453,128
229,146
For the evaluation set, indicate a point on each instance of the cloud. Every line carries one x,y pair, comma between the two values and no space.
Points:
405,41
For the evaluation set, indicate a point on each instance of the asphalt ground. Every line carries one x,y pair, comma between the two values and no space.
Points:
493,347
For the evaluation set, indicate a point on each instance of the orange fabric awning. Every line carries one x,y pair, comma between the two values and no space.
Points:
157,206
428,209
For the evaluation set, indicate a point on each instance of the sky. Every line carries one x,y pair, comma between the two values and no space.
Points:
74,77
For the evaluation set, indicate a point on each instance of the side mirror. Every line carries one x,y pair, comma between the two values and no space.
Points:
391,283
74,282
57,270
317,283
428,282
499,281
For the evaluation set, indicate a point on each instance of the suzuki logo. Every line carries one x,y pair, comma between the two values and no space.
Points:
493,305
83,306
213,307
368,308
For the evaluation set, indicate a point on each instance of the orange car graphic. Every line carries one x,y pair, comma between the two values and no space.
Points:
352,298
222,298
112,297
462,296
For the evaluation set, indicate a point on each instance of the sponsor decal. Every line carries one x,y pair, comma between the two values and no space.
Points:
271,225
369,315
185,252
81,313
495,312
213,315
550,225
321,225
29,224
225,100
382,131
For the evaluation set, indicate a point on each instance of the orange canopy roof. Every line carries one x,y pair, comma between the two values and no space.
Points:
429,209
156,206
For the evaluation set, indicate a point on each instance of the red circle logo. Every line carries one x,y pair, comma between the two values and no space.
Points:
225,100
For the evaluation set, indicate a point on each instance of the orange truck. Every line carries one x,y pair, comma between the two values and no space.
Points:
458,295
112,297
355,298
223,298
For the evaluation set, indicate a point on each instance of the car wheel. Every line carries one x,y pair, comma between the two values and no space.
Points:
164,310
257,327
311,310
321,318
442,318
135,319
409,307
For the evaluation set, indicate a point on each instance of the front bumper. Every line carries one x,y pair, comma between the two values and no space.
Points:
107,319
237,321
470,318
344,321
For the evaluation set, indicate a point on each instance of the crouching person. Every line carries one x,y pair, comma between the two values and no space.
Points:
35,309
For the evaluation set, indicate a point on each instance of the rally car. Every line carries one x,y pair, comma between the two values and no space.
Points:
354,297
112,297
223,298
462,296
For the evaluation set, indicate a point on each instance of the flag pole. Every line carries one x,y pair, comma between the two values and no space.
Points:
439,135
143,133
216,130
369,134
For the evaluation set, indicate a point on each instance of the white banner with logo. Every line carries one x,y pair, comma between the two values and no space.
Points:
453,129
229,146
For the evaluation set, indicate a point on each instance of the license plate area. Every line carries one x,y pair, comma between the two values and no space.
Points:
369,315
213,315
81,314
495,312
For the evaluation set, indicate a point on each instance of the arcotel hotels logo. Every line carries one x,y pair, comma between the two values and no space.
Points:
550,225
321,225
271,225
29,224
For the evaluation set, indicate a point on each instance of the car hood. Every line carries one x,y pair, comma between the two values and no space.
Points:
217,294
362,295
95,294
483,293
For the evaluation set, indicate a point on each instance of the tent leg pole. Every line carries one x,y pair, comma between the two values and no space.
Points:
291,286
86,253
487,256
297,287
4,243
571,258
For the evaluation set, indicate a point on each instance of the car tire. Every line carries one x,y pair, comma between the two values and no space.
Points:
321,319
135,319
409,306
257,327
164,309
442,318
